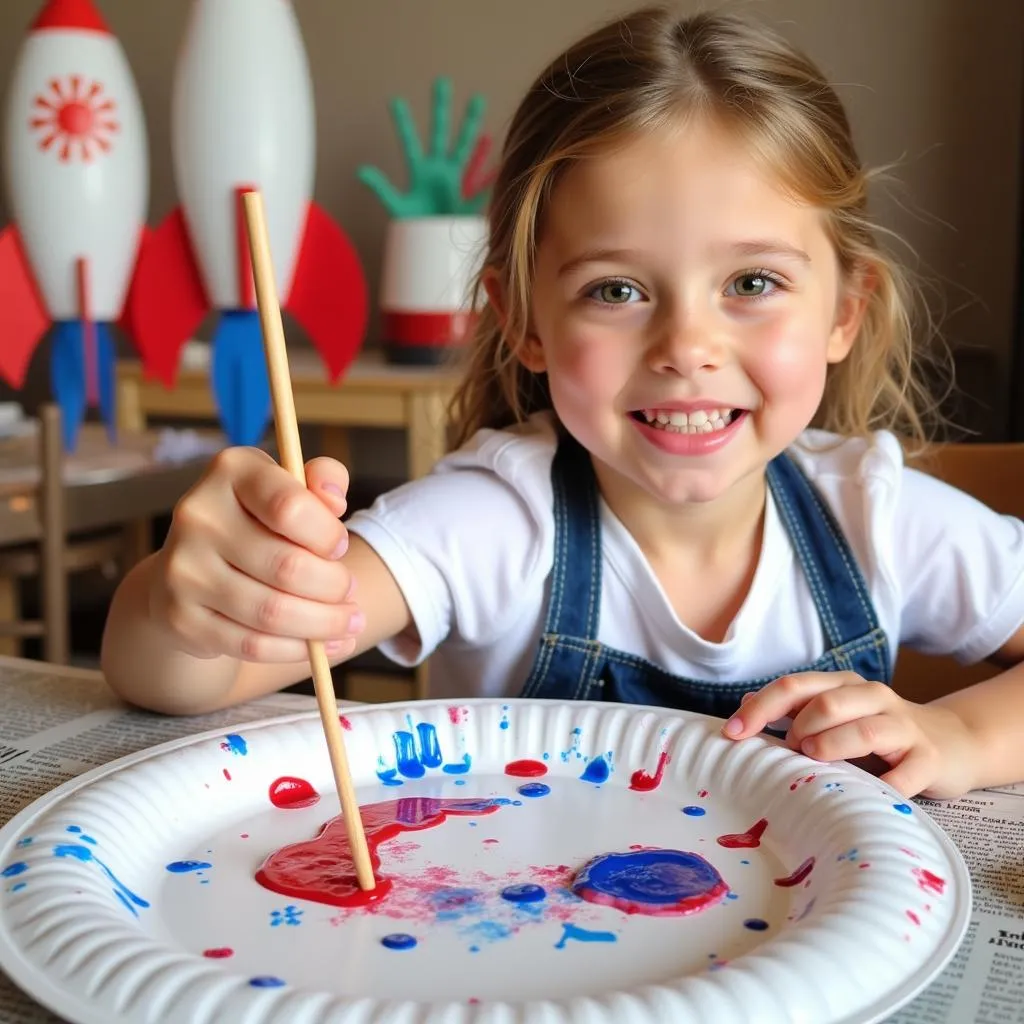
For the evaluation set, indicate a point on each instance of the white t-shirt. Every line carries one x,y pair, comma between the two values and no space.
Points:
471,546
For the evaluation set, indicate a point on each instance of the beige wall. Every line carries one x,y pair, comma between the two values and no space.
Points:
934,84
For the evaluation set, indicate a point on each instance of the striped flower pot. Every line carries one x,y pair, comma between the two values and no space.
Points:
430,264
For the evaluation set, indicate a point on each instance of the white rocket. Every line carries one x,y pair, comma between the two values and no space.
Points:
76,165
243,118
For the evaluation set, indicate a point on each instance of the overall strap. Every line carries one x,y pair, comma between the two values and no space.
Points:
836,583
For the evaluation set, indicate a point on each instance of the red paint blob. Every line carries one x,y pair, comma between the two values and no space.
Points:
218,954
457,715
227,775
798,876
750,839
526,769
290,793
644,783
913,917
703,793
929,882
344,723
322,869
802,782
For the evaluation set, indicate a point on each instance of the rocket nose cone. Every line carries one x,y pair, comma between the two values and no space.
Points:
70,14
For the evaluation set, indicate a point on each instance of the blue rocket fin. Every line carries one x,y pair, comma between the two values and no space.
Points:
239,377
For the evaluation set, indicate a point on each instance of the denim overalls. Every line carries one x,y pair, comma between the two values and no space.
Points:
571,663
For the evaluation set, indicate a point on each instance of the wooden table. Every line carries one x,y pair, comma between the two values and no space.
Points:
372,393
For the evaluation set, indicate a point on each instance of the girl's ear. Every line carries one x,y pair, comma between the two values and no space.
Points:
527,349
850,311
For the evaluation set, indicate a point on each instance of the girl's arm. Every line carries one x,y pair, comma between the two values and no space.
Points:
144,663
993,712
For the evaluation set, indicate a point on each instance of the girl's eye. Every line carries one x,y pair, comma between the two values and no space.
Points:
616,293
753,285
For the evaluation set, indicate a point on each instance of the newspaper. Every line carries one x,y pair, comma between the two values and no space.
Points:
56,724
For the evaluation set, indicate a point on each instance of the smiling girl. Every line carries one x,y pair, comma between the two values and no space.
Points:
681,279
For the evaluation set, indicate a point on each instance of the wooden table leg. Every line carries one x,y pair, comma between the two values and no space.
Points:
10,611
426,431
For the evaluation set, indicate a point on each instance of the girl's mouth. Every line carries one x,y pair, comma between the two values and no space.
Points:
701,421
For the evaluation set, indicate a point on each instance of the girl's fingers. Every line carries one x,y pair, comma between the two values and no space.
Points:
880,734
839,705
264,610
289,509
783,698
328,479
913,774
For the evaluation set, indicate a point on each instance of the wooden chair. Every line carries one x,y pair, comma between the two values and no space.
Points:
53,558
994,474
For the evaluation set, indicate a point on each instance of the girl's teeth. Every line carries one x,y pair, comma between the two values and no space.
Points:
703,421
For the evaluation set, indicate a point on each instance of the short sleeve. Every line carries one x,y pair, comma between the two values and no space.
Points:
469,545
960,567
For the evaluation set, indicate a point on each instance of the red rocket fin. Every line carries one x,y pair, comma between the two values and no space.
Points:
329,295
23,315
166,300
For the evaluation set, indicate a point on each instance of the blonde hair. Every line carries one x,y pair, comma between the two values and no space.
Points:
642,72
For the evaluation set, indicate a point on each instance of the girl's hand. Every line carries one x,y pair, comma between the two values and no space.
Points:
839,716
250,567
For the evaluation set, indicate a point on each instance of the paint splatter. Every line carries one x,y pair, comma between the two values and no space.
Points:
14,869
577,934
756,924
290,793
802,781
183,867
929,882
290,916
526,769
322,869
458,715
751,839
127,898
266,981
504,717
652,881
234,744
597,771
525,893
798,876
902,808
533,789
227,774
459,767
398,940
345,723
643,782
694,811
913,917
218,953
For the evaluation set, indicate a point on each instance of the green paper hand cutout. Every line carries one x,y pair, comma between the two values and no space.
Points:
438,178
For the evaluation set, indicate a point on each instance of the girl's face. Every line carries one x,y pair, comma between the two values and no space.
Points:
685,310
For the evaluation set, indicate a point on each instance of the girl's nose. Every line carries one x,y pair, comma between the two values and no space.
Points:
684,342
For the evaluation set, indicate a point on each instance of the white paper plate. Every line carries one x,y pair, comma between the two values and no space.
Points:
879,913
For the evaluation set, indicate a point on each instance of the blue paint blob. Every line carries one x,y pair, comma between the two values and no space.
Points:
181,867
460,782
18,886
74,828
460,767
455,903
235,744
650,881
266,981
388,776
694,811
574,932
430,749
902,808
14,869
755,924
406,756
534,789
86,856
731,896
597,771
545,756
744,861
525,893
27,841
398,940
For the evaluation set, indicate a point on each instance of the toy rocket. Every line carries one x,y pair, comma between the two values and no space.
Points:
243,118
77,175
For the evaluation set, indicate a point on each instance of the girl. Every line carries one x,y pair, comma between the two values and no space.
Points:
681,279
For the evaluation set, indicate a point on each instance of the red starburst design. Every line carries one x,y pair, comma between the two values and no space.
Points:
75,119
